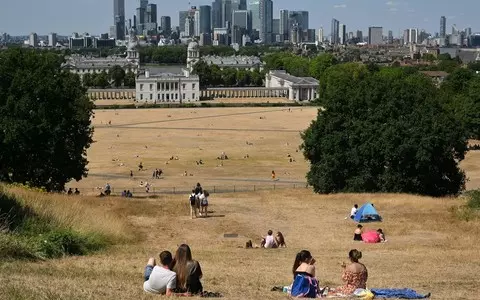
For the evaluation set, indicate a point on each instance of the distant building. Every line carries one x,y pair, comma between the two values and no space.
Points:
375,35
390,37
266,21
342,34
410,36
182,16
119,19
320,36
33,40
205,14
284,27
166,24
443,26
299,88
52,39
335,34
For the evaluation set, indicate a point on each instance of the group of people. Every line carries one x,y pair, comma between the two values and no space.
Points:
269,242
179,275
306,285
198,202
127,194
71,192
369,236
157,174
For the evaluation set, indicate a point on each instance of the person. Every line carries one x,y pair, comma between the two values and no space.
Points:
124,193
131,173
354,276
353,212
198,189
77,192
69,191
193,201
129,194
140,166
357,235
160,279
273,175
188,271
280,240
305,284
147,187
203,198
108,189
381,235
270,240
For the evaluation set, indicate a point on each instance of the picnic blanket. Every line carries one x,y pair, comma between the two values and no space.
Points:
398,293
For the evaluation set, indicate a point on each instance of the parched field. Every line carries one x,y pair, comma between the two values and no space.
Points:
427,249
153,136
257,141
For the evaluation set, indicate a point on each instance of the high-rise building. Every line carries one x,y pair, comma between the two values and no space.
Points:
140,23
443,26
205,12
320,36
359,35
375,35
266,21
33,40
342,34
166,24
239,4
254,7
390,37
182,16
241,19
226,12
216,16
196,20
119,19
335,37
410,36
468,32
284,25
52,39
276,26
151,13
299,17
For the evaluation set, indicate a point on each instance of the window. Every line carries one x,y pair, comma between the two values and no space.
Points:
151,96
158,96
141,96
193,96
167,84
193,86
163,97
158,86
176,85
183,96
176,96
151,87
141,86
183,86
163,86
168,97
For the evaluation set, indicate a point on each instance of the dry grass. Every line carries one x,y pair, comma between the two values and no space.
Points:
427,248
252,100
74,212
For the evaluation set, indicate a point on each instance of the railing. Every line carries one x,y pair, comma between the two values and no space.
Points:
214,189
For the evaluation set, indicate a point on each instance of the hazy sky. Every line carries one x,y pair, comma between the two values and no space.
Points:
18,17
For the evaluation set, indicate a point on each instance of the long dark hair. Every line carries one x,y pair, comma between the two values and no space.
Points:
182,257
301,257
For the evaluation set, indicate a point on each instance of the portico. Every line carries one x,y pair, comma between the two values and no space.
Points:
299,88
253,92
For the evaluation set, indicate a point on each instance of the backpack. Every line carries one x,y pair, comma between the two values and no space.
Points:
304,287
193,199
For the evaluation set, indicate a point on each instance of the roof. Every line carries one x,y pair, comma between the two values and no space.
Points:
435,73
83,62
294,79
234,61
167,76
193,46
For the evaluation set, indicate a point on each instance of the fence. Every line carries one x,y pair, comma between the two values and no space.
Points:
214,189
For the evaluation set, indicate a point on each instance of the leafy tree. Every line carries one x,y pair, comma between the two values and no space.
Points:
129,80
243,78
229,76
319,64
44,120
101,80
117,75
87,80
383,132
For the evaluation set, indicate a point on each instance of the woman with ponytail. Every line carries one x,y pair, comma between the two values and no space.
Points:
354,275
305,285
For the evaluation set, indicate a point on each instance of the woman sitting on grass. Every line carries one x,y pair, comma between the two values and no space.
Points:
305,285
357,235
280,240
188,272
355,275
381,235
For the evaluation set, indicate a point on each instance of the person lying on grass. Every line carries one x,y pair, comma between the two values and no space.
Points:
160,279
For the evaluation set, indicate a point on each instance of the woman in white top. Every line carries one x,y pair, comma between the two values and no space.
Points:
204,203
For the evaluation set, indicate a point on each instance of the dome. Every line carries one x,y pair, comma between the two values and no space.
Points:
193,46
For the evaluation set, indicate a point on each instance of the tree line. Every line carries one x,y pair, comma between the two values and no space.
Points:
116,77
213,76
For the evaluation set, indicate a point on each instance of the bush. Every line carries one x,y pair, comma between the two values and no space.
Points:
63,242
15,246
473,199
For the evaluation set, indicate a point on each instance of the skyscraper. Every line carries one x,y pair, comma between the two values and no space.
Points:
390,37
342,34
52,39
299,17
182,16
335,38
375,35
320,35
166,24
226,12
254,7
119,19
443,26
239,4
266,20
33,40
151,13
284,25
276,26
205,18
216,17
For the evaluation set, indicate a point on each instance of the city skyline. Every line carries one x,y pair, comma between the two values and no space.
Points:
95,16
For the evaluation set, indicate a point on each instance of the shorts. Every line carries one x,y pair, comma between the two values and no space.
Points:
204,204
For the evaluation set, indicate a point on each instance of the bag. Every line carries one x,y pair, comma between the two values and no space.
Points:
364,294
304,287
193,199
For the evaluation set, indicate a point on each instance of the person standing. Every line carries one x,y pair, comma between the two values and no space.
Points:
193,204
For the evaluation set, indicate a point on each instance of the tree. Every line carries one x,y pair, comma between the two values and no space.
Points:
229,76
320,63
129,80
101,80
383,132
44,120
117,75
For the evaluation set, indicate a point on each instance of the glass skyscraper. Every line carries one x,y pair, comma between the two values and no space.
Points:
119,19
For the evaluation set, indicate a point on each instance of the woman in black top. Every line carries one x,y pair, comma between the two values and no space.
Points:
357,236
188,271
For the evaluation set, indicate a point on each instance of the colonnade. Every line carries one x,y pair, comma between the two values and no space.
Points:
244,93
111,95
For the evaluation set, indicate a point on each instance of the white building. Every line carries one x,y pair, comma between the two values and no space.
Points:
33,40
89,65
168,87
299,88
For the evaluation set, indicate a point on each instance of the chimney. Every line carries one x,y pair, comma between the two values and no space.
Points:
147,73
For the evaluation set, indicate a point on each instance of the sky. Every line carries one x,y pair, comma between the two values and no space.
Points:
20,17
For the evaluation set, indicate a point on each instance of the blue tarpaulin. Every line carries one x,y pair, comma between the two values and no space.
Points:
398,293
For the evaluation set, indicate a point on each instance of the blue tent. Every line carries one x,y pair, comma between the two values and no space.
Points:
367,213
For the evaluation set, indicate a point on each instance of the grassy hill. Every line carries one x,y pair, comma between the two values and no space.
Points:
429,247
